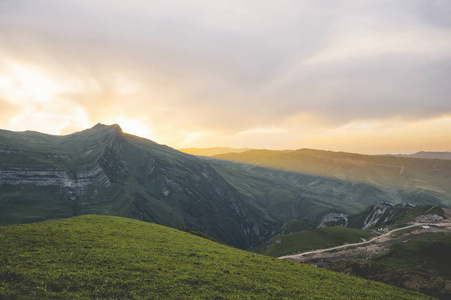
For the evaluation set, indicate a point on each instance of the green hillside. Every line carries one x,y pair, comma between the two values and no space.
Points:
414,180
118,258
307,240
105,171
421,264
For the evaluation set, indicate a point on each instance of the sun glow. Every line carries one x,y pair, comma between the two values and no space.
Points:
134,127
26,83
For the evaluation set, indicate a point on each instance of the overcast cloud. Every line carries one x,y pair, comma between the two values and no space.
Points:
270,74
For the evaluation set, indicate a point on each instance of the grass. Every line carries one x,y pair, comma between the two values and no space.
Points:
101,257
431,252
315,239
422,264
409,214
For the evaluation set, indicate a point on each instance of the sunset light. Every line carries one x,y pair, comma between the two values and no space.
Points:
188,149
359,77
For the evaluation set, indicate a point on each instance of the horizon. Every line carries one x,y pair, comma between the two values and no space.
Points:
351,76
219,147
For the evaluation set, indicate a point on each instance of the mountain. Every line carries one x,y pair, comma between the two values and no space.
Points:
105,171
426,154
212,151
409,180
103,257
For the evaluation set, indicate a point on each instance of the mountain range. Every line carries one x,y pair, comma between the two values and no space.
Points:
428,154
414,180
103,170
225,150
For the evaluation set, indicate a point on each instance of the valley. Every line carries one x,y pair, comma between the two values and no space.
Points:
423,242
371,246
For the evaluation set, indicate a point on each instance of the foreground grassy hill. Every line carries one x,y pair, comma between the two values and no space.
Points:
117,258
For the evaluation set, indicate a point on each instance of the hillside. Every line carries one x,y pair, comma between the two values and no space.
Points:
105,171
110,257
414,180
350,229
421,264
320,238
407,247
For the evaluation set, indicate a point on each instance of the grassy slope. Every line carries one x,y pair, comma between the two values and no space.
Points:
315,239
431,251
422,264
150,182
111,257
291,195
417,180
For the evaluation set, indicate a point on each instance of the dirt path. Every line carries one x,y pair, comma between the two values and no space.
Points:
301,255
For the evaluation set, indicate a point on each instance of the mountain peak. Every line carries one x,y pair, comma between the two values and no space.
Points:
103,126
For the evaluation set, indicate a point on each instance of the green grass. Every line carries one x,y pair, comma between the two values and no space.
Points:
421,264
412,213
101,257
314,239
431,252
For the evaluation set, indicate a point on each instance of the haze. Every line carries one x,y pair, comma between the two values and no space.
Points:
357,76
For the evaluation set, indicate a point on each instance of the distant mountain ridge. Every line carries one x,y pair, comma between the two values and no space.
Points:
212,151
428,154
415,180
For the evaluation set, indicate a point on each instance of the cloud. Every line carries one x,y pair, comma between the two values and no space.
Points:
186,71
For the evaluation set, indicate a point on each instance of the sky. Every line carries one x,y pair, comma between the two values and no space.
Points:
366,76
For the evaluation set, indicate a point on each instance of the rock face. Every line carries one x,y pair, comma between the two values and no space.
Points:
104,171
392,216
334,219
433,218
59,178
